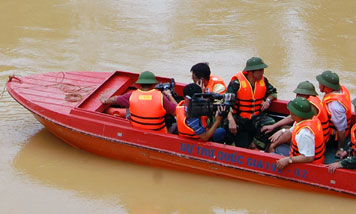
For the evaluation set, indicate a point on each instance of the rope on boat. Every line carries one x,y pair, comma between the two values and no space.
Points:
73,93
11,78
73,97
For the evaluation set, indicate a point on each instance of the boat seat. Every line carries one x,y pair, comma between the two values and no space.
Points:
116,84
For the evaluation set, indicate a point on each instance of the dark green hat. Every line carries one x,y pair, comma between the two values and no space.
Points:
146,77
305,88
255,63
329,79
301,107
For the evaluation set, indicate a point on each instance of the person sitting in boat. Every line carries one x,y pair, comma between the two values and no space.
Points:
306,135
209,83
350,161
147,106
196,128
254,94
304,89
337,102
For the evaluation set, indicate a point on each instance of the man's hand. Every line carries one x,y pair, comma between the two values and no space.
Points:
232,124
265,105
283,162
267,129
221,112
276,136
103,98
333,167
201,84
167,92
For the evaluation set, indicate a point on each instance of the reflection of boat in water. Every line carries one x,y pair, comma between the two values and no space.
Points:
47,161
70,109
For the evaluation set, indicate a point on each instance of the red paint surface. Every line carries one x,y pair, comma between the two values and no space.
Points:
83,125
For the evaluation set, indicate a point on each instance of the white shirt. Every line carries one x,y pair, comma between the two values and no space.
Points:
306,142
338,115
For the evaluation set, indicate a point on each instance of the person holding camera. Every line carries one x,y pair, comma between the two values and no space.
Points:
209,83
254,94
147,105
194,127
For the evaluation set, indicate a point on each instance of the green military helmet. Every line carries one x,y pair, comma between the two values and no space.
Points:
329,79
306,88
301,107
147,77
255,63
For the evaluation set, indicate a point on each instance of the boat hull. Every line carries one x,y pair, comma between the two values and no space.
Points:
82,124
152,157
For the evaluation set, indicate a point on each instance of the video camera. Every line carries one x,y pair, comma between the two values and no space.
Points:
168,86
165,86
204,104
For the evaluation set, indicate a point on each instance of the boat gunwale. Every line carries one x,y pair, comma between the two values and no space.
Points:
113,140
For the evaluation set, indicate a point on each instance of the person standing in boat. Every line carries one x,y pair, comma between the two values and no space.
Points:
349,162
201,75
338,105
196,128
306,135
304,89
147,105
254,94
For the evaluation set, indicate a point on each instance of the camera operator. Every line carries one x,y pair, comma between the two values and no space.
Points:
196,128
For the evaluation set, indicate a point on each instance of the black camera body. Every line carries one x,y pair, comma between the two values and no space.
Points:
204,104
166,86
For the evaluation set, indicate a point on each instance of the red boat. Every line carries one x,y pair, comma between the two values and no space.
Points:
68,105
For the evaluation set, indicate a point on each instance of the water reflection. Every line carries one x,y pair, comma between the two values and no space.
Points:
139,189
297,39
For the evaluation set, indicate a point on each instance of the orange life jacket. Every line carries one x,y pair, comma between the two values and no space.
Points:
249,102
314,126
147,111
344,99
352,134
183,129
213,80
322,116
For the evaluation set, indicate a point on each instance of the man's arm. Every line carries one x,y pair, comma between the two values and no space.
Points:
233,87
285,121
169,106
122,100
169,95
348,163
200,130
338,118
283,162
278,138
271,91
306,146
207,135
